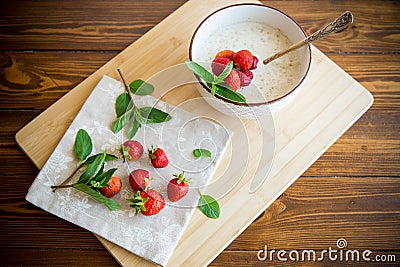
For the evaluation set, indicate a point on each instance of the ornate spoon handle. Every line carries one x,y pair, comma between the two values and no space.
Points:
338,25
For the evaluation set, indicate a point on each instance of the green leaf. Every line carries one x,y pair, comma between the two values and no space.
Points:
120,122
199,71
209,206
103,179
93,169
122,104
140,87
139,117
229,93
83,144
220,78
109,157
134,128
200,152
96,196
153,115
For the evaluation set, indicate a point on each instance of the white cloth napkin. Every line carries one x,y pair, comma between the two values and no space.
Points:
153,238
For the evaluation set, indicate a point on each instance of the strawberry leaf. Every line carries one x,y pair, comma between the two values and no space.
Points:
228,93
103,179
120,122
109,157
200,152
83,144
215,84
140,87
153,115
122,104
199,71
93,169
134,128
220,78
96,196
209,206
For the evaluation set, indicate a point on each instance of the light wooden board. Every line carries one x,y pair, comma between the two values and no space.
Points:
330,102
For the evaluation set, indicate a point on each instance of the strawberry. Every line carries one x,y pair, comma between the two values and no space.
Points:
233,80
148,202
245,77
114,186
132,150
255,62
158,157
243,60
139,179
225,54
178,187
218,65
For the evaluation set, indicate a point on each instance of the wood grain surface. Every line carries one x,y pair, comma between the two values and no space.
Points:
48,47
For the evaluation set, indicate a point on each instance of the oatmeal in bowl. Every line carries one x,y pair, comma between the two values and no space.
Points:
261,31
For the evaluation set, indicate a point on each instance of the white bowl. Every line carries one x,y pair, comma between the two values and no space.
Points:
244,13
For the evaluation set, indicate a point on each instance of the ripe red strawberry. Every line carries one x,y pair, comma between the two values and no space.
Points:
245,77
225,54
158,157
243,60
178,187
148,202
114,186
218,65
255,62
132,150
233,80
139,179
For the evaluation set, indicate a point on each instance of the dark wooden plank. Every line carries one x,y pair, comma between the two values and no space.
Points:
15,162
36,80
71,25
375,28
249,258
13,120
57,257
364,211
26,226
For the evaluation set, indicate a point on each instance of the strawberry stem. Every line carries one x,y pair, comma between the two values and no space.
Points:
124,82
54,187
127,89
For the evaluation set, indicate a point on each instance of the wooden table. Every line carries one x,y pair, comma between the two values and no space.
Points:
351,192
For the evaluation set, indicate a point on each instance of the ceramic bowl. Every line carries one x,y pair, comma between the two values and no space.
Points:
250,13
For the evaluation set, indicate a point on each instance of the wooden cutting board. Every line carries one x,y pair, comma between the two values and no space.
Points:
330,102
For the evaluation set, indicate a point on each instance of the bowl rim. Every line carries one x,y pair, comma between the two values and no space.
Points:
253,103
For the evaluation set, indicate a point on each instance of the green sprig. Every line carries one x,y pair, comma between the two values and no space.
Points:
215,83
128,114
94,176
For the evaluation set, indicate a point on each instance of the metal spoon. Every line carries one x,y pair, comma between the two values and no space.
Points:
338,25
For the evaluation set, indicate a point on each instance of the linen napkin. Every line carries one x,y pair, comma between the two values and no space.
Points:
153,238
